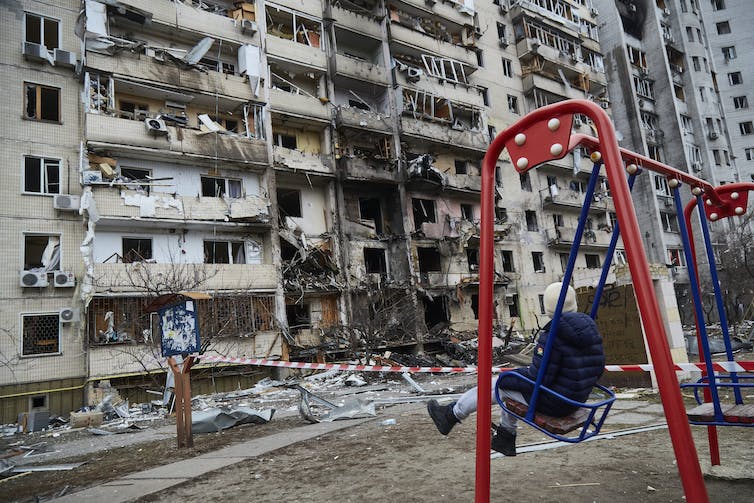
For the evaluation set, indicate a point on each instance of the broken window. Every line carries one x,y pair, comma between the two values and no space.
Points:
42,102
41,176
224,252
676,258
429,260
298,316
467,212
291,25
289,202
513,104
563,261
538,261
508,265
669,222
445,69
531,221
541,299
220,187
284,140
475,305
40,334
374,261
435,311
136,250
501,215
472,257
525,180
637,57
369,209
42,30
427,106
132,110
132,175
424,211
460,167
507,68
41,252
592,261
217,65
557,219
101,96
512,301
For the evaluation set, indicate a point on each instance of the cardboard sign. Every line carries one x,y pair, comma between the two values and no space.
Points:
620,326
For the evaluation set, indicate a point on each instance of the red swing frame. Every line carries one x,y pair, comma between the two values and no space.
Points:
545,135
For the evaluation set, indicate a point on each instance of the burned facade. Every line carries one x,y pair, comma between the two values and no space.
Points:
309,171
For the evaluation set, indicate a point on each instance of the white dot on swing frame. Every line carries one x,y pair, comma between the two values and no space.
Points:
734,195
522,163
713,216
556,149
739,210
553,124
520,139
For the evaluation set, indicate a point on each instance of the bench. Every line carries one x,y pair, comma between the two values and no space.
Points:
556,425
705,413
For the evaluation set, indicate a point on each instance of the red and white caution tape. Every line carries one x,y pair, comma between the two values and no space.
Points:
717,366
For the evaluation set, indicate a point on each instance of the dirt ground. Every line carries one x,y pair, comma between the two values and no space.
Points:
409,461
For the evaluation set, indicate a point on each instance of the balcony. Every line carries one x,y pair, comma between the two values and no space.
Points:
291,50
526,7
430,45
563,238
361,70
449,10
443,133
164,210
150,70
573,199
369,168
301,161
553,85
443,279
299,105
365,24
363,120
129,135
173,17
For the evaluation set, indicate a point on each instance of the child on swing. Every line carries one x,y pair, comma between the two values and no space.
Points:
576,362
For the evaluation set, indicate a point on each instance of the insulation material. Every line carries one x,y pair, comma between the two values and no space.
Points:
93,27
208,125
87,245
250,64
198,51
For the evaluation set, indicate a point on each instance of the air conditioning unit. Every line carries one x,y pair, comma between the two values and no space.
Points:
155,125
666,11
64,58
503,42
713,135
33,279
605,104
64,279
66,202
35,52
70,314
414,74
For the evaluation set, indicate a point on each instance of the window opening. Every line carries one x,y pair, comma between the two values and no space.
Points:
41,176
374,261
42,103
41,253
289,202
40,334
136,250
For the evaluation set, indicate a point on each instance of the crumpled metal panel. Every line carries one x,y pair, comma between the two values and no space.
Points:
215,419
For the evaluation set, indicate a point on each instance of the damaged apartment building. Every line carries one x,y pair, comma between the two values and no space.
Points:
307,173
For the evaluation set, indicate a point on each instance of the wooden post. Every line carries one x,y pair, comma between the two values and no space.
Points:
182,404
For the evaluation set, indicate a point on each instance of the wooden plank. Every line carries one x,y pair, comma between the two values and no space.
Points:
557,425
705,413
740,414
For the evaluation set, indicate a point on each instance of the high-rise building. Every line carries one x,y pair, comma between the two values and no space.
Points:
305,173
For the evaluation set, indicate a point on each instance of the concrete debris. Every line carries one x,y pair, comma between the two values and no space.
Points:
216,419
421,167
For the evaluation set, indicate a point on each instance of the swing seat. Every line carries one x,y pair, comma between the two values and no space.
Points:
705,413
585,419
557,425
732,414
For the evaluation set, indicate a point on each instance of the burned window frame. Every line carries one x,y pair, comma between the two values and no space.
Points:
381,260
26,341
46,166
38,106
285,204
429,216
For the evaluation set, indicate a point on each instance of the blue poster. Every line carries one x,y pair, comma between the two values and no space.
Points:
180,329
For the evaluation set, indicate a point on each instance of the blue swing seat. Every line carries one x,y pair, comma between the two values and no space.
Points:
585,419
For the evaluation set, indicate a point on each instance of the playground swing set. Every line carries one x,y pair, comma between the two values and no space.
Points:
545,135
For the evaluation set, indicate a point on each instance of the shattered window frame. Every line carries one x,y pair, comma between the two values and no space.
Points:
41,247
136,174
508,261
424,211
44,178
40,334
219,186
538,261
136,249
290,26
42,37
592,261
37,103
286,203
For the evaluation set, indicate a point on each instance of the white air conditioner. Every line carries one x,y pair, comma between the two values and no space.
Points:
64,58
713,135
64,279
70,314
35,52
66,202
33,279
155,125
503,42
666,11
